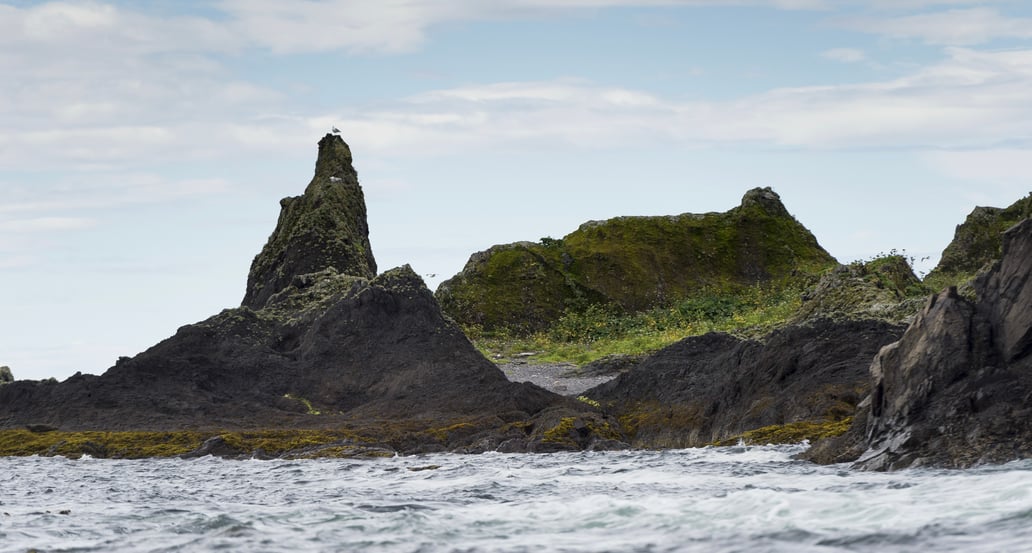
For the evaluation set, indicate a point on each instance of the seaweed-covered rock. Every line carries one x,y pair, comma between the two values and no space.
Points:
709,388
956,389
635,263
325,227
5,375
977,242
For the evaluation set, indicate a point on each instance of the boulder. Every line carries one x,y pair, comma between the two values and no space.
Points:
634,264
956,389
709,388
6,377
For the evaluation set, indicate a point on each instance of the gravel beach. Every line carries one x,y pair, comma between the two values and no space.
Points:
555,377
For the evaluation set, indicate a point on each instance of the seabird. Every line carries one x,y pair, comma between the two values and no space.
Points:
336,130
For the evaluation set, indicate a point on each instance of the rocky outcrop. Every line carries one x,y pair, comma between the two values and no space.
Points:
634,263
318,343
325,227
956,389
977,242
884,288
708,388
5,375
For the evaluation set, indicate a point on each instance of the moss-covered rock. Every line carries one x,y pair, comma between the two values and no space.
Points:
883,288
977,242
324,228
634,264
5,375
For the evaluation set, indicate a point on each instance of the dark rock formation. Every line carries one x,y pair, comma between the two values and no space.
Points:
956,389
325,227
708,388
5,375
634,263
977,242
317,344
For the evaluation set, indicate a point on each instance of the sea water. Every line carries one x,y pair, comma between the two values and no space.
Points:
748,499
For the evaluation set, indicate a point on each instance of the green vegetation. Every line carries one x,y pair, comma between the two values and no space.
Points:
630,266
599,331
791,433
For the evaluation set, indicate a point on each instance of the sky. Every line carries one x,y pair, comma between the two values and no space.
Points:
144,146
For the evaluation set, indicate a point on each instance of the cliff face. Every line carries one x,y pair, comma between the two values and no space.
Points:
956,389
319,342
635,263
326,227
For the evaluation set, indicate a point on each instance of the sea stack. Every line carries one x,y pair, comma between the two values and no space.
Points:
323,228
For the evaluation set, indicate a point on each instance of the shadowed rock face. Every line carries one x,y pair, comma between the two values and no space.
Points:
956,389
325,227
328,347
709,388
634,263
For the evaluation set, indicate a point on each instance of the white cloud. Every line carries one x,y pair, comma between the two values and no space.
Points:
46,224
1009,166
959,27
846,55
969,100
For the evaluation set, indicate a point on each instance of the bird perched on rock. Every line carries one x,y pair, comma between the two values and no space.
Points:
336,130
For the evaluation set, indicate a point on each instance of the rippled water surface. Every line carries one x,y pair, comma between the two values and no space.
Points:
720,499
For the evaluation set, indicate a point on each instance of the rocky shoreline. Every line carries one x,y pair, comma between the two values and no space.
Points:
327,357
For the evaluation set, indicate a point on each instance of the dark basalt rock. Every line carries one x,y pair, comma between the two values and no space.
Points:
956,389
327,348
634,264
709,388
326,227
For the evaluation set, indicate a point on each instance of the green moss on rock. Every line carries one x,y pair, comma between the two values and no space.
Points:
634,264
791,433
323,228
977,242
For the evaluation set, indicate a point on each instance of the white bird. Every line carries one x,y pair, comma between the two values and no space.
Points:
336,130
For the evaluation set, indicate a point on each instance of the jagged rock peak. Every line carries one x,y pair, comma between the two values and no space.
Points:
767,199
325,227
5,375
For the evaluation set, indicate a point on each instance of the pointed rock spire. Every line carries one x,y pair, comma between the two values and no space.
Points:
325,227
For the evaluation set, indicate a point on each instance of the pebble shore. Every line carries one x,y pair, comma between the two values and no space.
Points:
560,378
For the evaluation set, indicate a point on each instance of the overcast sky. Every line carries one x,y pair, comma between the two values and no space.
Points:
144,145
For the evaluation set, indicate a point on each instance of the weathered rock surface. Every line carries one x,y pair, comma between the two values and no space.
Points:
635,263
956,389
318,343
5,375
325,227
977,242
884,288
708,388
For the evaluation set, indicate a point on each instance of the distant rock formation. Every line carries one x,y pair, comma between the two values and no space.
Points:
977,242
5,375
325,227
319,342
956,389
706,389
635,263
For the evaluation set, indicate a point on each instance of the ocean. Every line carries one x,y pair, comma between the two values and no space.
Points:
731,499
